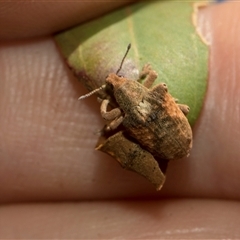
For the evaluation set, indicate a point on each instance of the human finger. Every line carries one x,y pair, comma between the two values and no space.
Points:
28,19
165,219
48,137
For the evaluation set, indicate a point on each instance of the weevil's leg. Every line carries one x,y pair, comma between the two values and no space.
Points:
99,99
184,108
151,77
111,115
114,124
149,74
145,70
158,89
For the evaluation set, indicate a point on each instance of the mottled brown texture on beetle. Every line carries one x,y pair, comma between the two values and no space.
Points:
133,157
153,118
145,127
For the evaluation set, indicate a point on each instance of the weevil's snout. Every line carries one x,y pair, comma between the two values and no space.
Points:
114,80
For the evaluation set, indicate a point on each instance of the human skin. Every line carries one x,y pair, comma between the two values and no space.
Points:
49,170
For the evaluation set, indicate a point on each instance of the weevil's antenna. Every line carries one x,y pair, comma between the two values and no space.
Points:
128,48
104,86
92,92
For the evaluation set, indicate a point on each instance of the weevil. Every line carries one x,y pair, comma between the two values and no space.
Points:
150,115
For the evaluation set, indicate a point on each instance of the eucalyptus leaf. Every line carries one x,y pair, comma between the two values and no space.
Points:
162,33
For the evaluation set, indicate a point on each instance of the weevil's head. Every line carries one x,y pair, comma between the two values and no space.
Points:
114,81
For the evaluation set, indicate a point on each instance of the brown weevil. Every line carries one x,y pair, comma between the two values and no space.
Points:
150,116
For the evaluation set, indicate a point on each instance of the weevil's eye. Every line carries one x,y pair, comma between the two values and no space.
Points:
165,86
121,76
110,86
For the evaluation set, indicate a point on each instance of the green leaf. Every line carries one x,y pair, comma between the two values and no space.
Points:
162,33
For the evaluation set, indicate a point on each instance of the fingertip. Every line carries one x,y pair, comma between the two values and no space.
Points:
24,20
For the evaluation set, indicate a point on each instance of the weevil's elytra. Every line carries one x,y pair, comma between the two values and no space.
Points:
152,117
